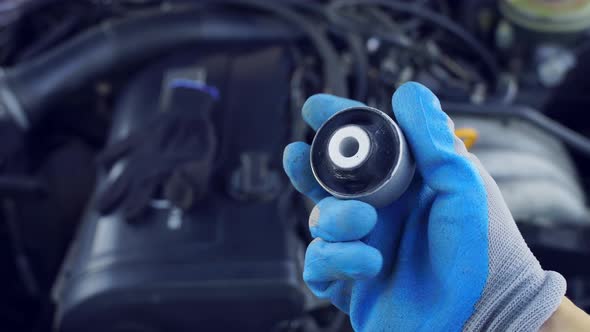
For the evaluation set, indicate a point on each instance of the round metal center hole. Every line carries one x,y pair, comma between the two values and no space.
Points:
349,146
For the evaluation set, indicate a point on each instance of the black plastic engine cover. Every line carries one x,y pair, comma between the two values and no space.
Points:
231,262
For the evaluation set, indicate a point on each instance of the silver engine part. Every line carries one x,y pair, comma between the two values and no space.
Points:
534,171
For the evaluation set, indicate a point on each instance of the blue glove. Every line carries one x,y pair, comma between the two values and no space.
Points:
446,256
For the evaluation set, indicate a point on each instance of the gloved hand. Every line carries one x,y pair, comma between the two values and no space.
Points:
446,256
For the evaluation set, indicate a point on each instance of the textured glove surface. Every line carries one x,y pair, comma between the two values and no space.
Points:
446,256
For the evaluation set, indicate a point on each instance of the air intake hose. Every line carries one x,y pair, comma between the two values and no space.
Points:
27,89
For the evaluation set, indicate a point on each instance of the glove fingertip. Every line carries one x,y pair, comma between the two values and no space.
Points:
293,154
320,107
414,92
326,261
342,220
372,265
298,169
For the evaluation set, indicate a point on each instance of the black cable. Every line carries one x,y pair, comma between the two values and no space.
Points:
361,67
173,153
21,259
11,11
50,38
346,24
18,184
426,14
360,58
333,74
332,70
571,138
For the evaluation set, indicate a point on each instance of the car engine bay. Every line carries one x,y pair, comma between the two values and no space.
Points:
117,215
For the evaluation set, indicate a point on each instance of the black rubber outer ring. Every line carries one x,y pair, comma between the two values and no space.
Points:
375,171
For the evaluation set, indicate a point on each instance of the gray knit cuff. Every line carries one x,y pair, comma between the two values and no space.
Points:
535,310
524,306
519,295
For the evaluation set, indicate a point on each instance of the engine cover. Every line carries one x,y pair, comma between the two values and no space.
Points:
230,262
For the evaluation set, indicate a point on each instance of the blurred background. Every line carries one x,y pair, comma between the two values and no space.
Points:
141,186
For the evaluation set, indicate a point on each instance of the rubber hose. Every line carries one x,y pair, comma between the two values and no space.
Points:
571,138
116,44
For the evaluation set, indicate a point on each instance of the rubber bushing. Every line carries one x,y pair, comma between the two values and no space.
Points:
360,153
